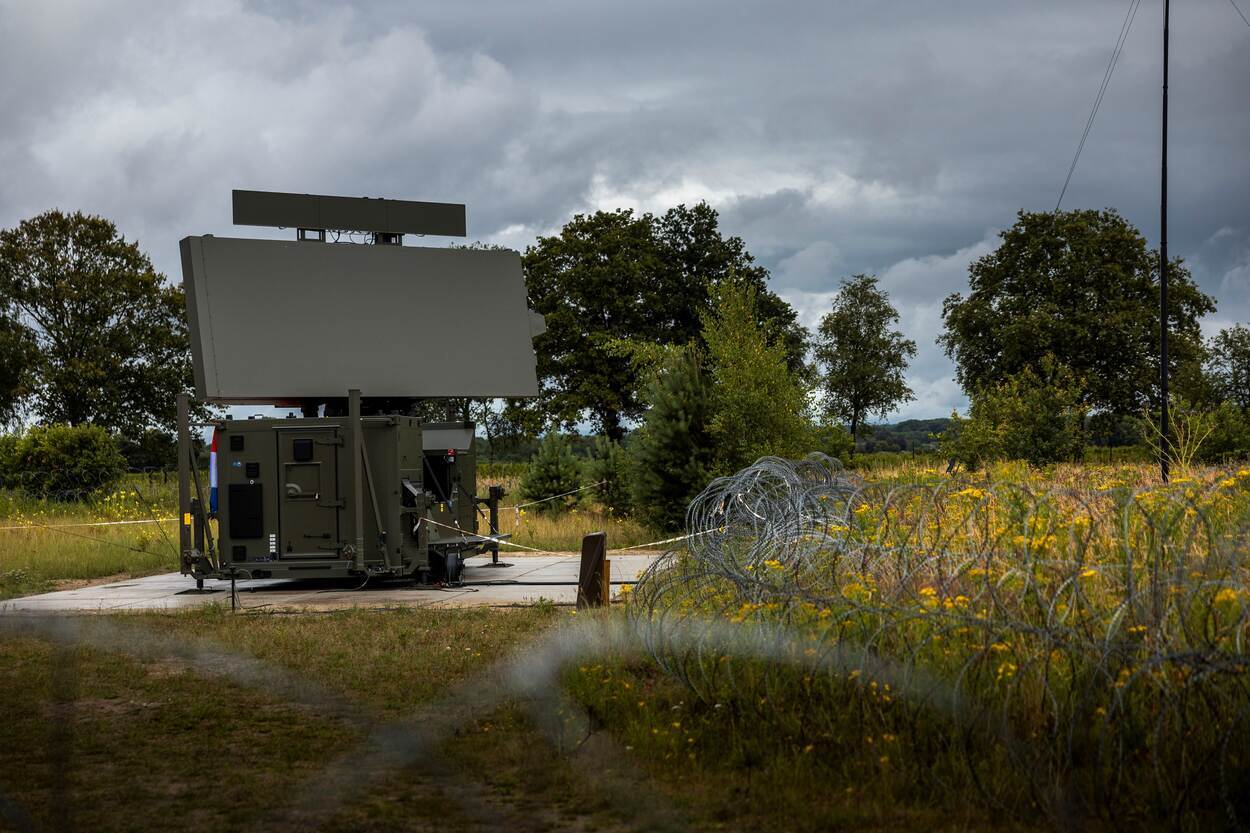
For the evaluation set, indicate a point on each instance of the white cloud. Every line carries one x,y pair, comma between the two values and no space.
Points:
206,98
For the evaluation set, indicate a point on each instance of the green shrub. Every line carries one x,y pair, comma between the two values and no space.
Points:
553,470
153,448
1228,437
1031,417
65,462
833,440
1198,434
8,456
609,467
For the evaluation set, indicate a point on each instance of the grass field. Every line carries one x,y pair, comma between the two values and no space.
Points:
1014,649
104,743
48,543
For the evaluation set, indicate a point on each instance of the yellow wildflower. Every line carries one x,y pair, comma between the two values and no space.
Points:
1226,596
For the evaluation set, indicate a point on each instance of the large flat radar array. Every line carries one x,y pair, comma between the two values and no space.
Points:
315,211
280,320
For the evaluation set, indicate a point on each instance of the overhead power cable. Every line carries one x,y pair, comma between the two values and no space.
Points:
1239,11
1102,90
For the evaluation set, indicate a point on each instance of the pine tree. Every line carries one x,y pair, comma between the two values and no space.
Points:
672,453
609,469
552,471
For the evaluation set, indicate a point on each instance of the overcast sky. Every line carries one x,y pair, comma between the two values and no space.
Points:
835,137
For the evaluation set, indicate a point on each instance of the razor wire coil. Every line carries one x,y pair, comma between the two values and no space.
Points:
1094,628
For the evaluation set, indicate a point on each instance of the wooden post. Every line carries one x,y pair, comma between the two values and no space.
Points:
592,581
492,503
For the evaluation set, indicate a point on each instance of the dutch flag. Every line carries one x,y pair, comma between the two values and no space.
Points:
212,475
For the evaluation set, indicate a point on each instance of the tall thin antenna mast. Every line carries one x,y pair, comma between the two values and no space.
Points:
1165,436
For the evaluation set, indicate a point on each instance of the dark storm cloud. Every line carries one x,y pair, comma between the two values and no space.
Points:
836,138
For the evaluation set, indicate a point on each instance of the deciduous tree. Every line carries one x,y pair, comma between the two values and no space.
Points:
1228,365
759,407
1083,287
615,277
108,332
596,282
697,259
860,354
17,358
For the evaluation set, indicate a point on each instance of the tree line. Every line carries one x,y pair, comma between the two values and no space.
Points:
664,329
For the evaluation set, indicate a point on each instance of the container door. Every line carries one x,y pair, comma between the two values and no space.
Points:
309,499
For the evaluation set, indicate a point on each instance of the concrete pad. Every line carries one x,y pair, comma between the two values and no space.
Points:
525,580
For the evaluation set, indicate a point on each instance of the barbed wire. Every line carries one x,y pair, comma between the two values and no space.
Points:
1102,625
1078,652
518,507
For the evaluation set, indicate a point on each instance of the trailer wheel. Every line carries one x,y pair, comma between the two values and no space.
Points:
454,567
199,584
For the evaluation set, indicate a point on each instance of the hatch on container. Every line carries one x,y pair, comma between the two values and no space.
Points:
309,505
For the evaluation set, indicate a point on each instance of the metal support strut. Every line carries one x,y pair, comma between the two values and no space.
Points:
495,495
184,479
358,496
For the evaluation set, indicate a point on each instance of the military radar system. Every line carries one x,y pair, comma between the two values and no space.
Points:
352,336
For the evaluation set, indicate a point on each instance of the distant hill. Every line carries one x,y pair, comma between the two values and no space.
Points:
903,436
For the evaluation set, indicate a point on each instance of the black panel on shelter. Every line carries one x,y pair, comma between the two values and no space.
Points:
247,510
302,450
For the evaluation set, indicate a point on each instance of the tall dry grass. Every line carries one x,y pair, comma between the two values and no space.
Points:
45,542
